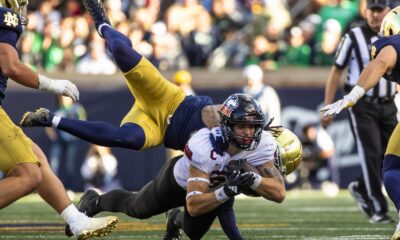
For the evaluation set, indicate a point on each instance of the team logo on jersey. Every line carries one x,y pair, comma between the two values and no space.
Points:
373,51
10,19
228,108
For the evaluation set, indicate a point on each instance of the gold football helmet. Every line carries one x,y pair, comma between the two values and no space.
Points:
289,150
19,7
391,23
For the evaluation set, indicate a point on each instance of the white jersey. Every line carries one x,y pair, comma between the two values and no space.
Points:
200,153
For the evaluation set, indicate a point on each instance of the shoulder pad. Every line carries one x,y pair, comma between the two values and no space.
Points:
10,20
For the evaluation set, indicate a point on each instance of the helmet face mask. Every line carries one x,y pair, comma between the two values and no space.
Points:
242,109
19,7
391,23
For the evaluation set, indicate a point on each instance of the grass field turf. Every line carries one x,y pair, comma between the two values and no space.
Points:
304,215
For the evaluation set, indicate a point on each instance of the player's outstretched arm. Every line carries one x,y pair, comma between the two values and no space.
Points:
384,62
12,67
272,186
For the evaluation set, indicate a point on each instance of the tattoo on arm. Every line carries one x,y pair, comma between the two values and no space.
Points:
271,172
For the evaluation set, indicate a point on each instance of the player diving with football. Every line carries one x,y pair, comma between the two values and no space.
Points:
157,101
386,62
203,181
25,166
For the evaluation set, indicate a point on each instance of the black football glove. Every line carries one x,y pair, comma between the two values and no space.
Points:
218,140
238,182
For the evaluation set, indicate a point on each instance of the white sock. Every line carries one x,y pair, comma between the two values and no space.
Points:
56,120
101,26
70,213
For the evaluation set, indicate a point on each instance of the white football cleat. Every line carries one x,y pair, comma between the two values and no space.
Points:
396,235
86,228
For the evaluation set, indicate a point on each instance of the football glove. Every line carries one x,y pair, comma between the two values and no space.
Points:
218,140
348,101
238,182
64,87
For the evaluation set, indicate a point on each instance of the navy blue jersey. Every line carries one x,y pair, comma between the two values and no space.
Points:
394,41
185,121
10,31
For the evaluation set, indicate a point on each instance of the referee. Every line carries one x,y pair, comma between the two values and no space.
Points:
373,119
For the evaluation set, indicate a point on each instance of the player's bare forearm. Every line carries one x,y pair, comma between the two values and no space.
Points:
384,62
272,186
209,115
201,204
332,84
12,67
199,198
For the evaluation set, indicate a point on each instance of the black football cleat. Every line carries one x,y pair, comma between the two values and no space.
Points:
82,206
173,232
96,9
40,118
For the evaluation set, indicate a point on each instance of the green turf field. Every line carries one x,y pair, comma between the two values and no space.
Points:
304,215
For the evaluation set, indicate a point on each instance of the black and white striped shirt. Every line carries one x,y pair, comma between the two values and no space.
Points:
354,52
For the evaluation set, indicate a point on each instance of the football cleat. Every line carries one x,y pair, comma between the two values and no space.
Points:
361,200
173,232
96,9
380,218
86,228
396,235
40,118
83,207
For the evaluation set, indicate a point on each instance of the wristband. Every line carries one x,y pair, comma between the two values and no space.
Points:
257,181
44,82
356,93
220,195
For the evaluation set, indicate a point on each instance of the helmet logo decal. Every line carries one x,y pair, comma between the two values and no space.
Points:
11,19
229,106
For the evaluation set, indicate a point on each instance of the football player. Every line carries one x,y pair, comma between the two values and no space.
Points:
161,111
386,62
201,180
22,161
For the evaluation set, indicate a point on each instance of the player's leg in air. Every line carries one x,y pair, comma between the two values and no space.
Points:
155,97
391,173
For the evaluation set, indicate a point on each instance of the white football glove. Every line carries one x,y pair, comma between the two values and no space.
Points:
58,86
348,101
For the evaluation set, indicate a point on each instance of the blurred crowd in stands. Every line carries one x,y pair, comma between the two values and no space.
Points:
178,34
